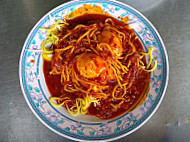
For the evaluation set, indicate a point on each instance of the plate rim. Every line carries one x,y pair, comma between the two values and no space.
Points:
107,139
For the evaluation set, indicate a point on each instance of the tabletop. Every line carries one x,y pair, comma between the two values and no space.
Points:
171,122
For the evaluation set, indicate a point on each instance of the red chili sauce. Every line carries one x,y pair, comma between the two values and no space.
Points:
134,94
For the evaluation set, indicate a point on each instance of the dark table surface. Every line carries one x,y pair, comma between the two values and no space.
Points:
171,123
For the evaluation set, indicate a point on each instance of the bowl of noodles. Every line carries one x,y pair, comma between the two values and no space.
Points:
93,70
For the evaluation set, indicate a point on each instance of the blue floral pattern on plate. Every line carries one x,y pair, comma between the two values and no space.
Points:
30,77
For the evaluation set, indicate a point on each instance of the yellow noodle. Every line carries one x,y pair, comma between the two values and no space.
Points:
153,68
107,45
95,51
124,90
129,63
80,26
109,20
113,93
57,98
121,33
65,88
85,34
63,49
92,33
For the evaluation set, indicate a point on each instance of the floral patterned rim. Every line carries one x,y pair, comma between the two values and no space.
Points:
32,87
